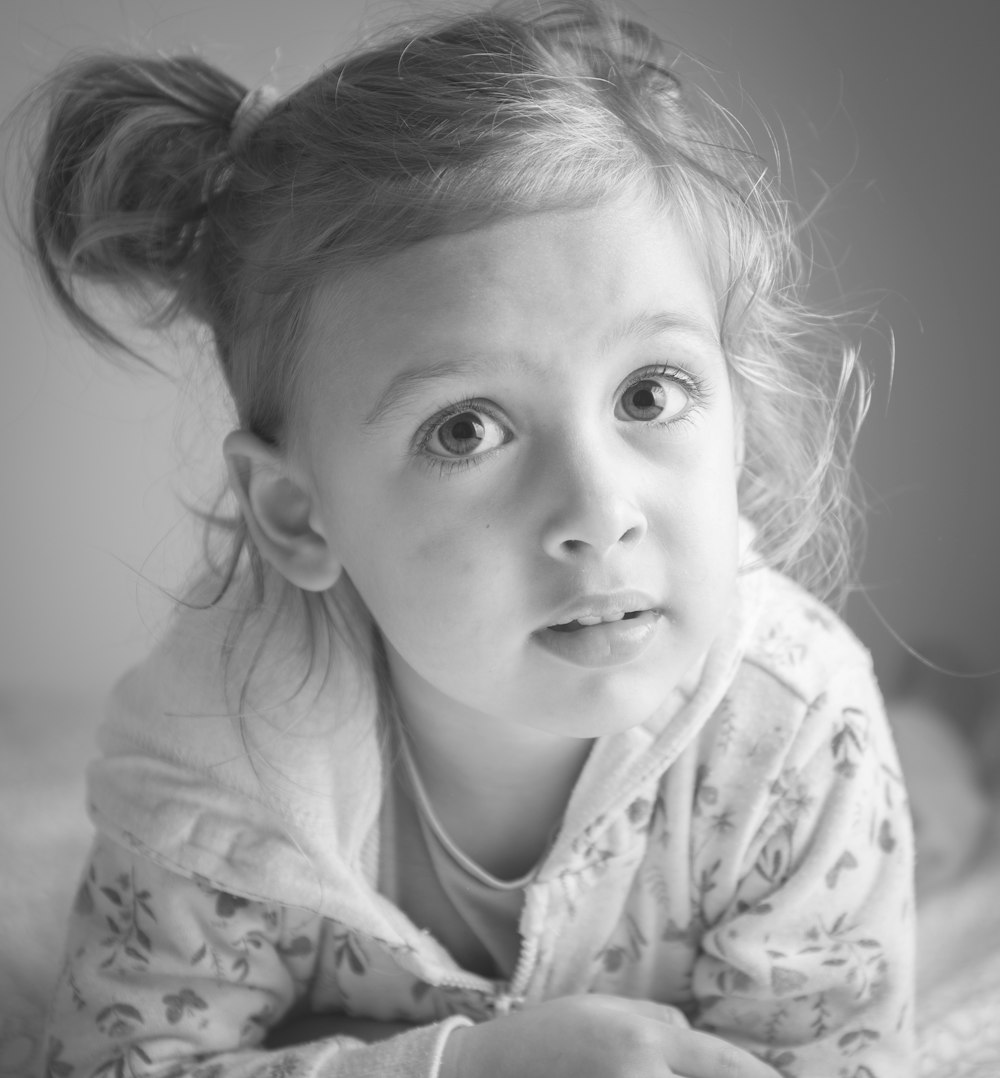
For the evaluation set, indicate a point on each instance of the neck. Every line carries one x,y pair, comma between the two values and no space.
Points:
498,788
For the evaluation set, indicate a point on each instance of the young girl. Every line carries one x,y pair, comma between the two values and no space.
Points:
503,742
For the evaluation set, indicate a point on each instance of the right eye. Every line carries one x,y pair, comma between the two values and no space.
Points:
470,432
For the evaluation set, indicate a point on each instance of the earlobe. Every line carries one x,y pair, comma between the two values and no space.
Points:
278,508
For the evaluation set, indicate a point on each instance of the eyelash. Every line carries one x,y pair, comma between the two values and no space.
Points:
451,465
693,386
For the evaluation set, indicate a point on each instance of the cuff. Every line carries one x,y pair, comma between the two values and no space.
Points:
414,1054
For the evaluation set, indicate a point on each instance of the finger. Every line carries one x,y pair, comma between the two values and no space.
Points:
700,1055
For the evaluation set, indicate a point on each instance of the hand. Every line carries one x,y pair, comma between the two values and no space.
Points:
594,1036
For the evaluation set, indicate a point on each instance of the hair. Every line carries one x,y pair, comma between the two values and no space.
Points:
143,183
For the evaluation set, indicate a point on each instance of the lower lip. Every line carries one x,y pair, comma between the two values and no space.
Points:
612,643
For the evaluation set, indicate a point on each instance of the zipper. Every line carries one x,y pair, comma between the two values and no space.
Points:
511,998
503,996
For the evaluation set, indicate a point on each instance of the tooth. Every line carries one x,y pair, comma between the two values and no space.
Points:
590,620
614,617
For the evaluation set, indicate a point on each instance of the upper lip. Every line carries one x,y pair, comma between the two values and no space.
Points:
603,605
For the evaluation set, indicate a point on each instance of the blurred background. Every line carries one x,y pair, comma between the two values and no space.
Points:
885,112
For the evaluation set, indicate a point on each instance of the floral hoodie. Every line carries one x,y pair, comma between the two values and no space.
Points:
745,855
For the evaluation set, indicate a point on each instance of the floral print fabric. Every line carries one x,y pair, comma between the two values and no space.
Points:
170,976
756,874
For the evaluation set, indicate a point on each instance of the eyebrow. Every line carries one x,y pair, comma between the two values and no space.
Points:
407,385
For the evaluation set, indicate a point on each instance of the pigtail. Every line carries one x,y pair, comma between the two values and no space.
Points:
133,151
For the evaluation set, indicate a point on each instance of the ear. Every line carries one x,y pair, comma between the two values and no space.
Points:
278,508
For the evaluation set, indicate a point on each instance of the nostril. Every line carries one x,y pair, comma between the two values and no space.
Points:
631,535
593,531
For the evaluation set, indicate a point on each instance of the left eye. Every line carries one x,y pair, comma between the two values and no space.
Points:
648,398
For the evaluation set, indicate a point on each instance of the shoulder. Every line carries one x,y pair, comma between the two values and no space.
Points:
213,780
183,700
802,715
797,643
801,676
225,669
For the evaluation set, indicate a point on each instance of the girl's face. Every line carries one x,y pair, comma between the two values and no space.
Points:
522,448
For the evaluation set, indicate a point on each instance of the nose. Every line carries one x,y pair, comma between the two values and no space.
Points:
591,510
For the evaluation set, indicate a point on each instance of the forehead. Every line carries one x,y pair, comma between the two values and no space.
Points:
544,284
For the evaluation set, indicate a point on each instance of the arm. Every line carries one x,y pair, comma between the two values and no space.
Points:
165,976
810,964
169,979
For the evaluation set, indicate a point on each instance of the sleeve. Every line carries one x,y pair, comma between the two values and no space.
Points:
165,976
808,960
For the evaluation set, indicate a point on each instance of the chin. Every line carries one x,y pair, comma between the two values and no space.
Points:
612,707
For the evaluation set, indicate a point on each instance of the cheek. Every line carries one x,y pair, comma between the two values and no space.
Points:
701,522
464,570
424,571
702,479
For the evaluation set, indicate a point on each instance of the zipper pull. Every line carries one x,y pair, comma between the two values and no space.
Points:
505,1002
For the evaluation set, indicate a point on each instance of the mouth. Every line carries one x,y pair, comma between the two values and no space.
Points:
588,622
603,639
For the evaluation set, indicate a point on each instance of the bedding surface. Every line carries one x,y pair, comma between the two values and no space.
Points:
958,984
45,742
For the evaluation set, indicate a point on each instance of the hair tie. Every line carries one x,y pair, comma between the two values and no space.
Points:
249,113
